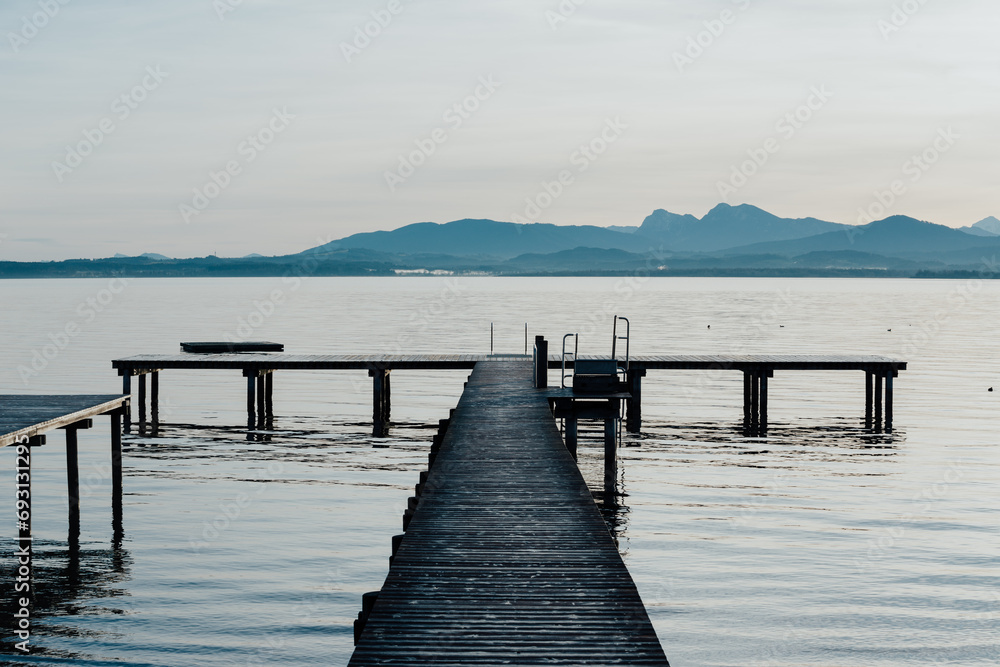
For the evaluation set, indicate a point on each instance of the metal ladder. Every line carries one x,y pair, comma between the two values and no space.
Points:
622,369
614,344
565,355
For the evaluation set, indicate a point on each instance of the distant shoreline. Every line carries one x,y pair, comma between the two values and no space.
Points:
243,268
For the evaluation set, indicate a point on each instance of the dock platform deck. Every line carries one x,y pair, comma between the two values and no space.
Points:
259,369
23,417
506,560
284,361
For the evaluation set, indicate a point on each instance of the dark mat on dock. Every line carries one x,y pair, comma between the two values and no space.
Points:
507,560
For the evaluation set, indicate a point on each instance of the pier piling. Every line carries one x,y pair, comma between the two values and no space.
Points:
633,404
381,401
73,475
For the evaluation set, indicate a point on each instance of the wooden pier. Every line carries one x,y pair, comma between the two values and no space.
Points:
24,421
505,559
757,369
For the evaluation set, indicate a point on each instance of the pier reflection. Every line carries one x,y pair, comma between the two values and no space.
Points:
68,579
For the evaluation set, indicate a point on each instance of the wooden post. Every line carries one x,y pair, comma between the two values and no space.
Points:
73,483
869,398
269,398
73,477
610,461
754,403
888,401
380,426
572,434
747,401
116,473
251,398
763,402
633,404
541,362
387,404
127,390
142,402
261,411
878,402
154,400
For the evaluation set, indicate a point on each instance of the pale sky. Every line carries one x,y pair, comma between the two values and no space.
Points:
199,77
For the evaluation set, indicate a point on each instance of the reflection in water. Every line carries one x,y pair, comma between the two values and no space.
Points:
837,440
68,580
847,442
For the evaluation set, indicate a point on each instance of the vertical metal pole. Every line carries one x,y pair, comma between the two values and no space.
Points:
878,402
526,339
491,339
888,402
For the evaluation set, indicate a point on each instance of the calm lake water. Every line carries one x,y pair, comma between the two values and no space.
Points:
820,545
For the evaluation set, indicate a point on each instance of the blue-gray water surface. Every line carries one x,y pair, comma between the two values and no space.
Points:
820,545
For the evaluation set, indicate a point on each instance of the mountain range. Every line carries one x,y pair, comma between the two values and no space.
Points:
728,240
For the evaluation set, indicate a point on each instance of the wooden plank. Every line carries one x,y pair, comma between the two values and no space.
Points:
506,559
26,416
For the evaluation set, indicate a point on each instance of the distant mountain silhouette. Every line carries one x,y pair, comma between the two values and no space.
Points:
986,227
727,226
728,241
488,239
147,255
897,236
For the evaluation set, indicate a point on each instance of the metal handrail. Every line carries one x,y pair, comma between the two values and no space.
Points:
615,338
576,349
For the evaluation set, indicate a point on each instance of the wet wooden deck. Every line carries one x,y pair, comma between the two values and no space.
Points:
506,560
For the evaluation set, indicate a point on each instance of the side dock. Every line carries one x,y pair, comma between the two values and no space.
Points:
259,370
506,559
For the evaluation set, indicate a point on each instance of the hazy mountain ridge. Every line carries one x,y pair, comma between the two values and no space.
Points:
665,244
986,227
487,239
727,226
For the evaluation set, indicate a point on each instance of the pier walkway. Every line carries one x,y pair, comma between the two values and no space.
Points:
506,559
